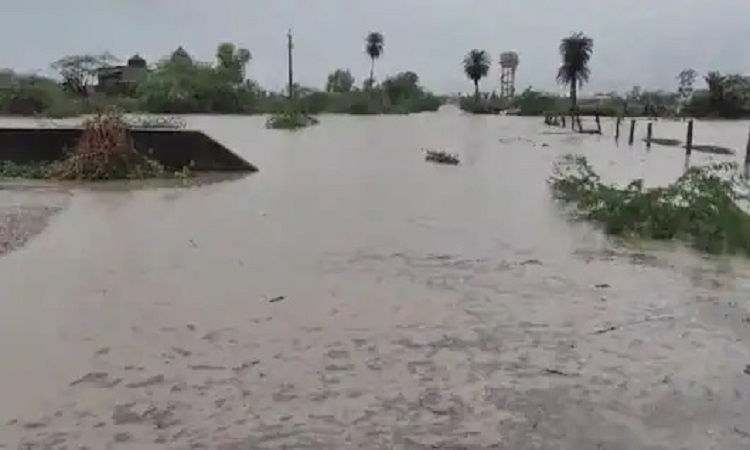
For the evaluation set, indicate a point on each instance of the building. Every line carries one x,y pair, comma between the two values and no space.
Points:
122,78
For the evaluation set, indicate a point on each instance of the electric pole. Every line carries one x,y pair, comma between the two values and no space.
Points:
290,46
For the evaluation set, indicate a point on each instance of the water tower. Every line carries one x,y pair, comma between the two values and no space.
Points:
508,66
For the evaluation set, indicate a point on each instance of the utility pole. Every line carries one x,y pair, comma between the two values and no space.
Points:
290,46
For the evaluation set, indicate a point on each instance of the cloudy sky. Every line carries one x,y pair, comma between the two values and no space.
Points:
636,42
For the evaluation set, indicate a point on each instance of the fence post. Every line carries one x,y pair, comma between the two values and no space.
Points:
632,132
618,121
689,138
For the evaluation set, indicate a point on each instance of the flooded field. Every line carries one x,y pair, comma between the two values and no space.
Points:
349,295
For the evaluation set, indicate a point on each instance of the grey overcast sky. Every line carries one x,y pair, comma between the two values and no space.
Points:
636,42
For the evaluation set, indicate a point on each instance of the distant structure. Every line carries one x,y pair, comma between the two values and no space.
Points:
508,66
122,78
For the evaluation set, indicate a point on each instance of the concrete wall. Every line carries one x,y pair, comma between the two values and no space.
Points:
174,149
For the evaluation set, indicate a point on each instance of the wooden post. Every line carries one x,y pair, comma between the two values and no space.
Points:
598,124
747,157
618,121
563,120
649,133
290,46
689,138
632,132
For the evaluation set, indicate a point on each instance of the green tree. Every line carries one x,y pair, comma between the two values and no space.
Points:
715,82
686,82
401,87
28,95
340,81
532,103
232,61
476,66
374,49
576,51
182,85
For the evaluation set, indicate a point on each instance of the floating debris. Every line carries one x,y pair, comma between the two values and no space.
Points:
441,157
713,149
549,371
663,141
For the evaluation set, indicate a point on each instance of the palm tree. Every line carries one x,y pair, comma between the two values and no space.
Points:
233,60
575,51
244,56
476,66
374,49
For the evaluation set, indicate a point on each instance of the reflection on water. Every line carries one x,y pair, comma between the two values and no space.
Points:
423,306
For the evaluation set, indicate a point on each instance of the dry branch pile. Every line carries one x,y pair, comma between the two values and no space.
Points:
104,151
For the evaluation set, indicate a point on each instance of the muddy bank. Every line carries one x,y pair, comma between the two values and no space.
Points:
25,211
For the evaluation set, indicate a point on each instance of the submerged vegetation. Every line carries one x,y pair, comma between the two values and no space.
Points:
290,120
701,208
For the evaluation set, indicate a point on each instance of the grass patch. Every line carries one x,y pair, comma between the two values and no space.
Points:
700,208
31,171
290,120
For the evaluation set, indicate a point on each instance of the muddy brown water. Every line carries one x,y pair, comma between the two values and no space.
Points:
350,295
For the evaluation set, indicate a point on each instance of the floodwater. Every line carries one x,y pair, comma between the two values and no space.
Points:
350,295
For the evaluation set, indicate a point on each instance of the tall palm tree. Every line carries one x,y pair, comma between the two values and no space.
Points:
374,49
576,51
476,66
233,60
244,56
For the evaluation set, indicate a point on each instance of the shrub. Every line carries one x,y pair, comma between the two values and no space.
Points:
290,120
701,207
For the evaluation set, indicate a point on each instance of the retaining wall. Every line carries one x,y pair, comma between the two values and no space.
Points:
174,149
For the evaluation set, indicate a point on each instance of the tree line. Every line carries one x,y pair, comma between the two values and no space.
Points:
181,84
724,95
178,83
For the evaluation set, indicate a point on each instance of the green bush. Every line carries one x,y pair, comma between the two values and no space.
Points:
35,170
700,207
290,120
